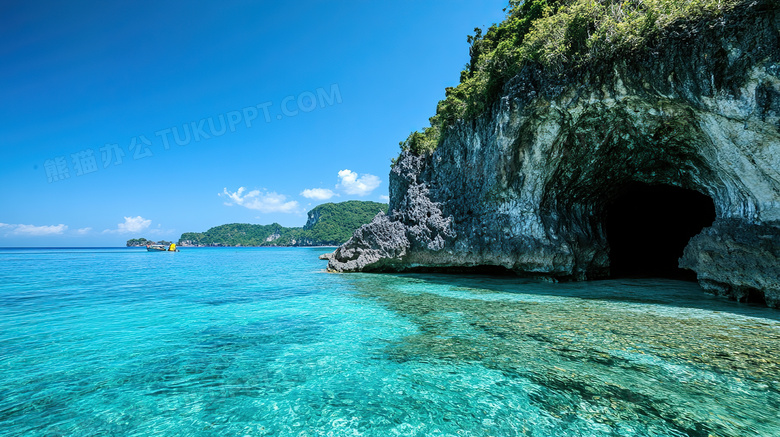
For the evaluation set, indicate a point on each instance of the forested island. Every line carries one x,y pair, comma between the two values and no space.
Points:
141,242
329,224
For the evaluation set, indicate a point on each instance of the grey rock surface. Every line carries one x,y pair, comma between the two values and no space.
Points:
737,260
525,187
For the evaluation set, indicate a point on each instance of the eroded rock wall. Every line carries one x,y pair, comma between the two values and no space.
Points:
526,186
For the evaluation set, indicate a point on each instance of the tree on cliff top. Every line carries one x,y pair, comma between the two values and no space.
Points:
557,36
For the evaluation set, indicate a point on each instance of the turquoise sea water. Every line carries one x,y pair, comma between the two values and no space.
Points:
256,342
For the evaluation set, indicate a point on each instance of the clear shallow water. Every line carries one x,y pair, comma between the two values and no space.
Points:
262,342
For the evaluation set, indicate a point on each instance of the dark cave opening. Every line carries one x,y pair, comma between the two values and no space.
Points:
648,227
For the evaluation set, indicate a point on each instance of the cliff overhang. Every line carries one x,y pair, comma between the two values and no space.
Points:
531,186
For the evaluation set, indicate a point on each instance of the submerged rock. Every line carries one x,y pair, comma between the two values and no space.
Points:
529,186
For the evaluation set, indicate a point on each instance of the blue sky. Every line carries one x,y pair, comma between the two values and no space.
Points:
149,119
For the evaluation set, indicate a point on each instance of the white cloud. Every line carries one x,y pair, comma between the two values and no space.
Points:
384,198
361,186
35,231
318,193
83,231
132,225
263,202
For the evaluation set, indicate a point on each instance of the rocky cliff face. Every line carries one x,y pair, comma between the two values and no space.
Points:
530,185
313,218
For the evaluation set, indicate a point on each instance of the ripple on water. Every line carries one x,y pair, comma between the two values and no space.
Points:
650,366
260,342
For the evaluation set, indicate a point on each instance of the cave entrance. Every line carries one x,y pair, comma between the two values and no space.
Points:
648,227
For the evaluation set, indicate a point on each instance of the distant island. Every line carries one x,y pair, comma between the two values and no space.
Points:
142,242
329,224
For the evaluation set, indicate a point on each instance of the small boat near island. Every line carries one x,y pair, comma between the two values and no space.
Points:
161,248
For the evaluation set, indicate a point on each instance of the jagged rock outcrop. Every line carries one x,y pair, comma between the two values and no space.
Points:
737,260
527,186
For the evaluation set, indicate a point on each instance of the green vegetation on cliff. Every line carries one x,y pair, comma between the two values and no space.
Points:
557,36
334,223
329,224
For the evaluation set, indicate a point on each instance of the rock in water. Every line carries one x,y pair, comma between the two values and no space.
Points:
534,184
737,259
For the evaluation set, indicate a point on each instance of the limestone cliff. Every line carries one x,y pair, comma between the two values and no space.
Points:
528,186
